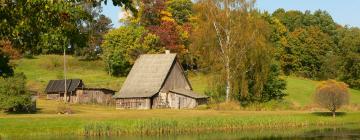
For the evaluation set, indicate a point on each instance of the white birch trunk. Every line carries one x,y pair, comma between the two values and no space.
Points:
228,82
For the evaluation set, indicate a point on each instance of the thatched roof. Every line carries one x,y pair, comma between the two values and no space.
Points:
55,86
188,93
147,75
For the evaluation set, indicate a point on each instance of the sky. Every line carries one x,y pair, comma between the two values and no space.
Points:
344,12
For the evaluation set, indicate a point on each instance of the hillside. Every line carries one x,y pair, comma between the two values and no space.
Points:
41,69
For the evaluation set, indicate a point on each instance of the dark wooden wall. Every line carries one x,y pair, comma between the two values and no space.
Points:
133,103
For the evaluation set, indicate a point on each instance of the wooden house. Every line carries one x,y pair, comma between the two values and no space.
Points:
78,93
157,81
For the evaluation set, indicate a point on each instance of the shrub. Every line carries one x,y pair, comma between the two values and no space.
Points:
9,49
5,68
13,95
332,95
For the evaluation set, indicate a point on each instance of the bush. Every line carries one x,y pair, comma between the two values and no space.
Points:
13,95
332,95
5,68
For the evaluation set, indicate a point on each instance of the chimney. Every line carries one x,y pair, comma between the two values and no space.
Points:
167,51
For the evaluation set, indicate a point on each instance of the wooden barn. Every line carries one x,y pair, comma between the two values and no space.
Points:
78,93
157,81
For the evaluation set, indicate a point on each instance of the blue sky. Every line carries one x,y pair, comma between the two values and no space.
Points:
345,12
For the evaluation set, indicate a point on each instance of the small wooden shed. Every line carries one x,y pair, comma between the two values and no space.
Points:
56,88
78,93
157,81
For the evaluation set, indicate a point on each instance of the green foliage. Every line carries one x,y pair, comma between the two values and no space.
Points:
312,45
351,70
216,91
13,94
42,26
309,48
95,30
122,46
5,67
238,52
350,52
275,85
181,10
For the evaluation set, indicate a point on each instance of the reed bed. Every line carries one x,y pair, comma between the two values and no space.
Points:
156,126
162,126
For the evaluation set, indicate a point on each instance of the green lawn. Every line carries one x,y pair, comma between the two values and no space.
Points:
43,68
300,91
102,120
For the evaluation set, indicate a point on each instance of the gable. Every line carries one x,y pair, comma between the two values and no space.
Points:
147,75
176,79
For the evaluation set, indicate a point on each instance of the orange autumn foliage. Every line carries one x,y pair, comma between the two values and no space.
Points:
332,94
7,48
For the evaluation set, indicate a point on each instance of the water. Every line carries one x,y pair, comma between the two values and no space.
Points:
347,133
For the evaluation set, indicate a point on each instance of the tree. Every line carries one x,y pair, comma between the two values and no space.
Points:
351,70
94,30
331,95
309,44
232,39
181,10
350,53
307,49
122,46
274,86
13,94
46,27
41,26
169,20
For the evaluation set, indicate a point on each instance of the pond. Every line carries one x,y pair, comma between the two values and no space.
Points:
325,133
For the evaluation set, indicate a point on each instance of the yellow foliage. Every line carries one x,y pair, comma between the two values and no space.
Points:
166,16
330,84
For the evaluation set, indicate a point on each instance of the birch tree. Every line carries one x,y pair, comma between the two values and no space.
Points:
231,35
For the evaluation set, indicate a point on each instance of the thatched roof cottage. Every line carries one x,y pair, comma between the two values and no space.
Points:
157,81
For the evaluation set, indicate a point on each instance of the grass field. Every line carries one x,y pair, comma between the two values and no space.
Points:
102,120
43,68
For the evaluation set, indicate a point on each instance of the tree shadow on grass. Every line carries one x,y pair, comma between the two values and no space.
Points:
38,110
328,114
